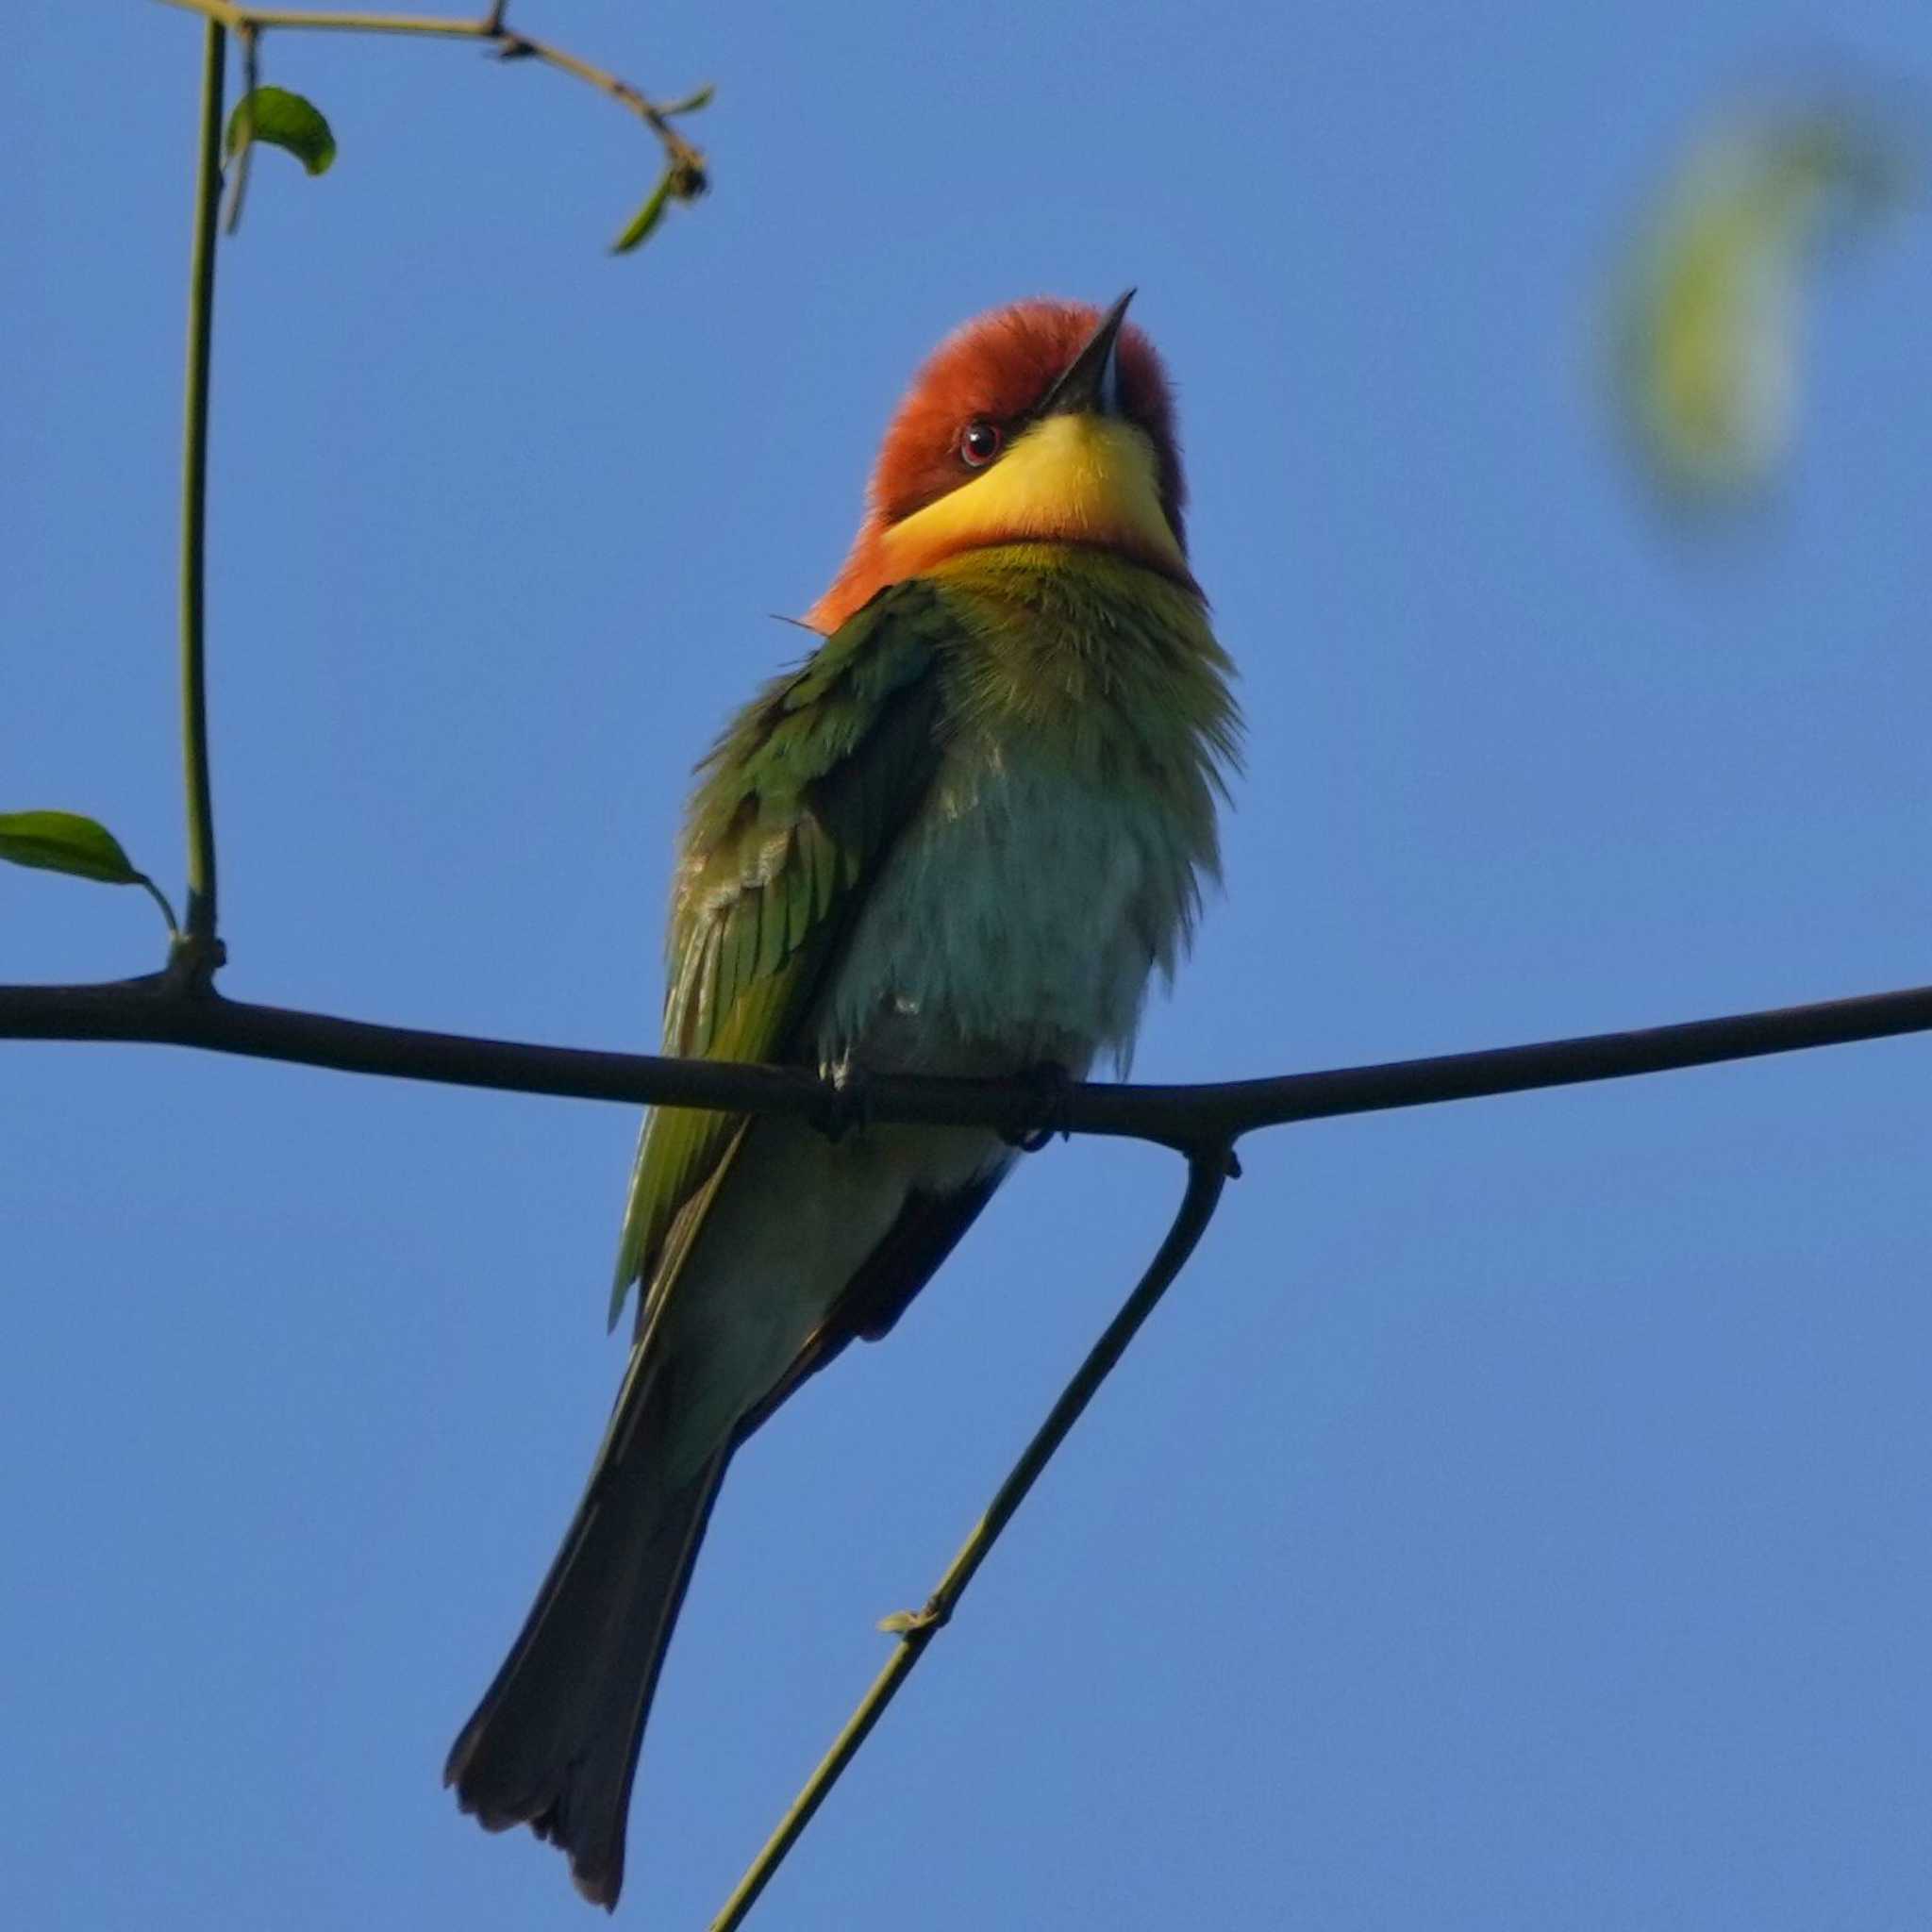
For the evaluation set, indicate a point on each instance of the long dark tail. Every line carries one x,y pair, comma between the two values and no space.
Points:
554,1743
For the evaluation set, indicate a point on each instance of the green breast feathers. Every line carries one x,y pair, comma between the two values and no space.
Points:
977,817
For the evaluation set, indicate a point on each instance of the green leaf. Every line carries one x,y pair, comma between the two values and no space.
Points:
65,841
282,120
649,215
691,103
81,847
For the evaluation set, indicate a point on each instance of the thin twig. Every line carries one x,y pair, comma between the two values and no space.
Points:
1207,1172
200,941
489,30
158,1009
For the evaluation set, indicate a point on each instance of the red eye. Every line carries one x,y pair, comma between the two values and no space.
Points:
980,442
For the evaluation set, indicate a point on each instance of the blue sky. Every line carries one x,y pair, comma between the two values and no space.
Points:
1517,1518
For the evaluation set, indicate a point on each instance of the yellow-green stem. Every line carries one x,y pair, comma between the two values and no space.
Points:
1207,1172
200,934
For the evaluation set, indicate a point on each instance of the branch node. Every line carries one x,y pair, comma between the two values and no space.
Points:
935,1615
192,964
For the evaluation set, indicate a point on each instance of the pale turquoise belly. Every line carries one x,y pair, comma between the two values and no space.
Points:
1018,921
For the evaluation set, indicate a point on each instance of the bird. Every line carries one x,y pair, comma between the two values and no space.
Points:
961,837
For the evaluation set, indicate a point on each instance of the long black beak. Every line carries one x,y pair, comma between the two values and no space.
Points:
1091,380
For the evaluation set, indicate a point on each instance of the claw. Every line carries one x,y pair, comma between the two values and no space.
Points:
847,1107
1047,1105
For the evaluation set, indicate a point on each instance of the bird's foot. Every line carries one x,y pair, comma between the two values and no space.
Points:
847,1105
1042,1116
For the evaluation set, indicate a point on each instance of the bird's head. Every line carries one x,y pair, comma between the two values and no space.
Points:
1044,422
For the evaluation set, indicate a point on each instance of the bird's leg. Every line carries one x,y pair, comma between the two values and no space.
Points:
1046,1103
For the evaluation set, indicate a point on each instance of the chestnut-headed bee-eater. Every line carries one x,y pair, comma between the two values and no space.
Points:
958,839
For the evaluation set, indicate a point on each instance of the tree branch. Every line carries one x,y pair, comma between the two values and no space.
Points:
1207,1174
490,30
164,1009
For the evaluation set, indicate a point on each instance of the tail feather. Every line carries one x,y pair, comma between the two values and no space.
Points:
554,1743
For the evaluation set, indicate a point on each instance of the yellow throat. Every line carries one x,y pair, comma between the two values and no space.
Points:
1074,479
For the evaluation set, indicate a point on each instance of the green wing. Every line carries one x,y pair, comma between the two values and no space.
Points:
796,806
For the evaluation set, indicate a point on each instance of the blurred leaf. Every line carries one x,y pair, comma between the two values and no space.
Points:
283,120
648,216
1707,337
692,102
66,841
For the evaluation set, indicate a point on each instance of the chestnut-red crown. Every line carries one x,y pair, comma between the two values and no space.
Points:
996,368
994,371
